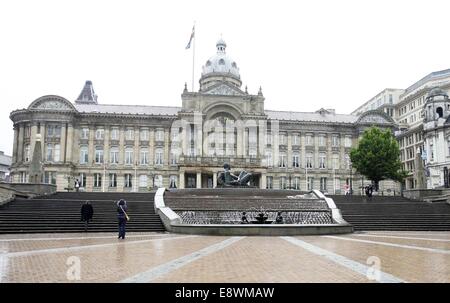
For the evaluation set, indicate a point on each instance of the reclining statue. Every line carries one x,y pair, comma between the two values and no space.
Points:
227,178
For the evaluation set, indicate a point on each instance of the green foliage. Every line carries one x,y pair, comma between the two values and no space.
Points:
377,156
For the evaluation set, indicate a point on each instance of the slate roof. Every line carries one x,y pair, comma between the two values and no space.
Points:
312,117
128,109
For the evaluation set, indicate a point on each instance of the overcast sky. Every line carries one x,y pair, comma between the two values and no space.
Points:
305,54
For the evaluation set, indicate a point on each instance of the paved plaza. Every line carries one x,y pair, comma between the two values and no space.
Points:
164,257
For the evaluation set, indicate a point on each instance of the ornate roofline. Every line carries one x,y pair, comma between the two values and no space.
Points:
52,98
375,112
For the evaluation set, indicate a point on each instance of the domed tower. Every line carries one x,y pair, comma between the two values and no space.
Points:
437,105
220,68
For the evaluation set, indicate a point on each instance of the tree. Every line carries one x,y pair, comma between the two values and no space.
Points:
377,156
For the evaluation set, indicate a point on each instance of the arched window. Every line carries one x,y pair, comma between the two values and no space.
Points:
208,63
234,65
222,62
440,112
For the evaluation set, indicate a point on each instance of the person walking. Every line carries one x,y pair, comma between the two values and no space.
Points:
122,216
87,212
77,185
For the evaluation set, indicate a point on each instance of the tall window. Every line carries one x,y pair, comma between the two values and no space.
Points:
269,138
269,182
49,177
295,139
143,134
348,141
99,134
159,157
114,155
321,140
309,160
269,159
143,157
53,130
26,155
323,184
128,180
143,181
49,154
283,183
98,155
129,134
173,159
335,161
282,139
310,183
112,180
84,133
97,180
322,160
23,177
129,156
296,184
173,181
82,180
296,160
282,162
335,141
115,133
309,140
159,136
158,181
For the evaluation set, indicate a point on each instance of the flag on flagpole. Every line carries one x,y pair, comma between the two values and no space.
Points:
188,46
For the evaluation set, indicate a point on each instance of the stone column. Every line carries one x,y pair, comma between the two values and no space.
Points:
91,148
302,150
181,181
136,147
199,180
151,148
121,146
20,147
289,151
62,155
15,144
106,146
240,141
166,147
70,143
214,179
33,133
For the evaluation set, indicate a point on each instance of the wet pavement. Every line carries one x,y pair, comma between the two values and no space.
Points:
164,257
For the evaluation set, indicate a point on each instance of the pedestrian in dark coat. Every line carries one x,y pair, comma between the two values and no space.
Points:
122,217
87,212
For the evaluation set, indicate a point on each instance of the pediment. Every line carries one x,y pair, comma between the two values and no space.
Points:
224,90
52,103
376,117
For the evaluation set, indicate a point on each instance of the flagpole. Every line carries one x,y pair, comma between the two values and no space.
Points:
193,58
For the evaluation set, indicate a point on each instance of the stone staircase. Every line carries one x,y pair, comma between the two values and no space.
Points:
60,212
393,213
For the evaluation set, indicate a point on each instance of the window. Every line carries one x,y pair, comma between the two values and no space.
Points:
269,182
335,161
335,141
23,177
26,155
322,140
112,180
144,156
323,184
431,152
295,139
129,135
269,138
390,99
27,131
309,160
49,154
439,112
114,155
173,181
115,133
159,157
282,162
53,130
97,180
347,161
82,179
283,184
99,134
158,181
221,62
159,136
310,183
322,160
84,133
129,156
269,159
143,181
296,184
143,134
56,153
49,177
98,155
282,139
128,180
309,140
173,159
348,141
295,160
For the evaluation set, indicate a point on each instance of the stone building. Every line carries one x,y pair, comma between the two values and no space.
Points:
136,147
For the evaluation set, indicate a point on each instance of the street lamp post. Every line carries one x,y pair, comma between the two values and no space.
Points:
351,181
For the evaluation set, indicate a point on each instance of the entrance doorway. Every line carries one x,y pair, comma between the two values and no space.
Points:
191,181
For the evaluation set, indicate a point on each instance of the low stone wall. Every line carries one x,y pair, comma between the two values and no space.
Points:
421,194
30,189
